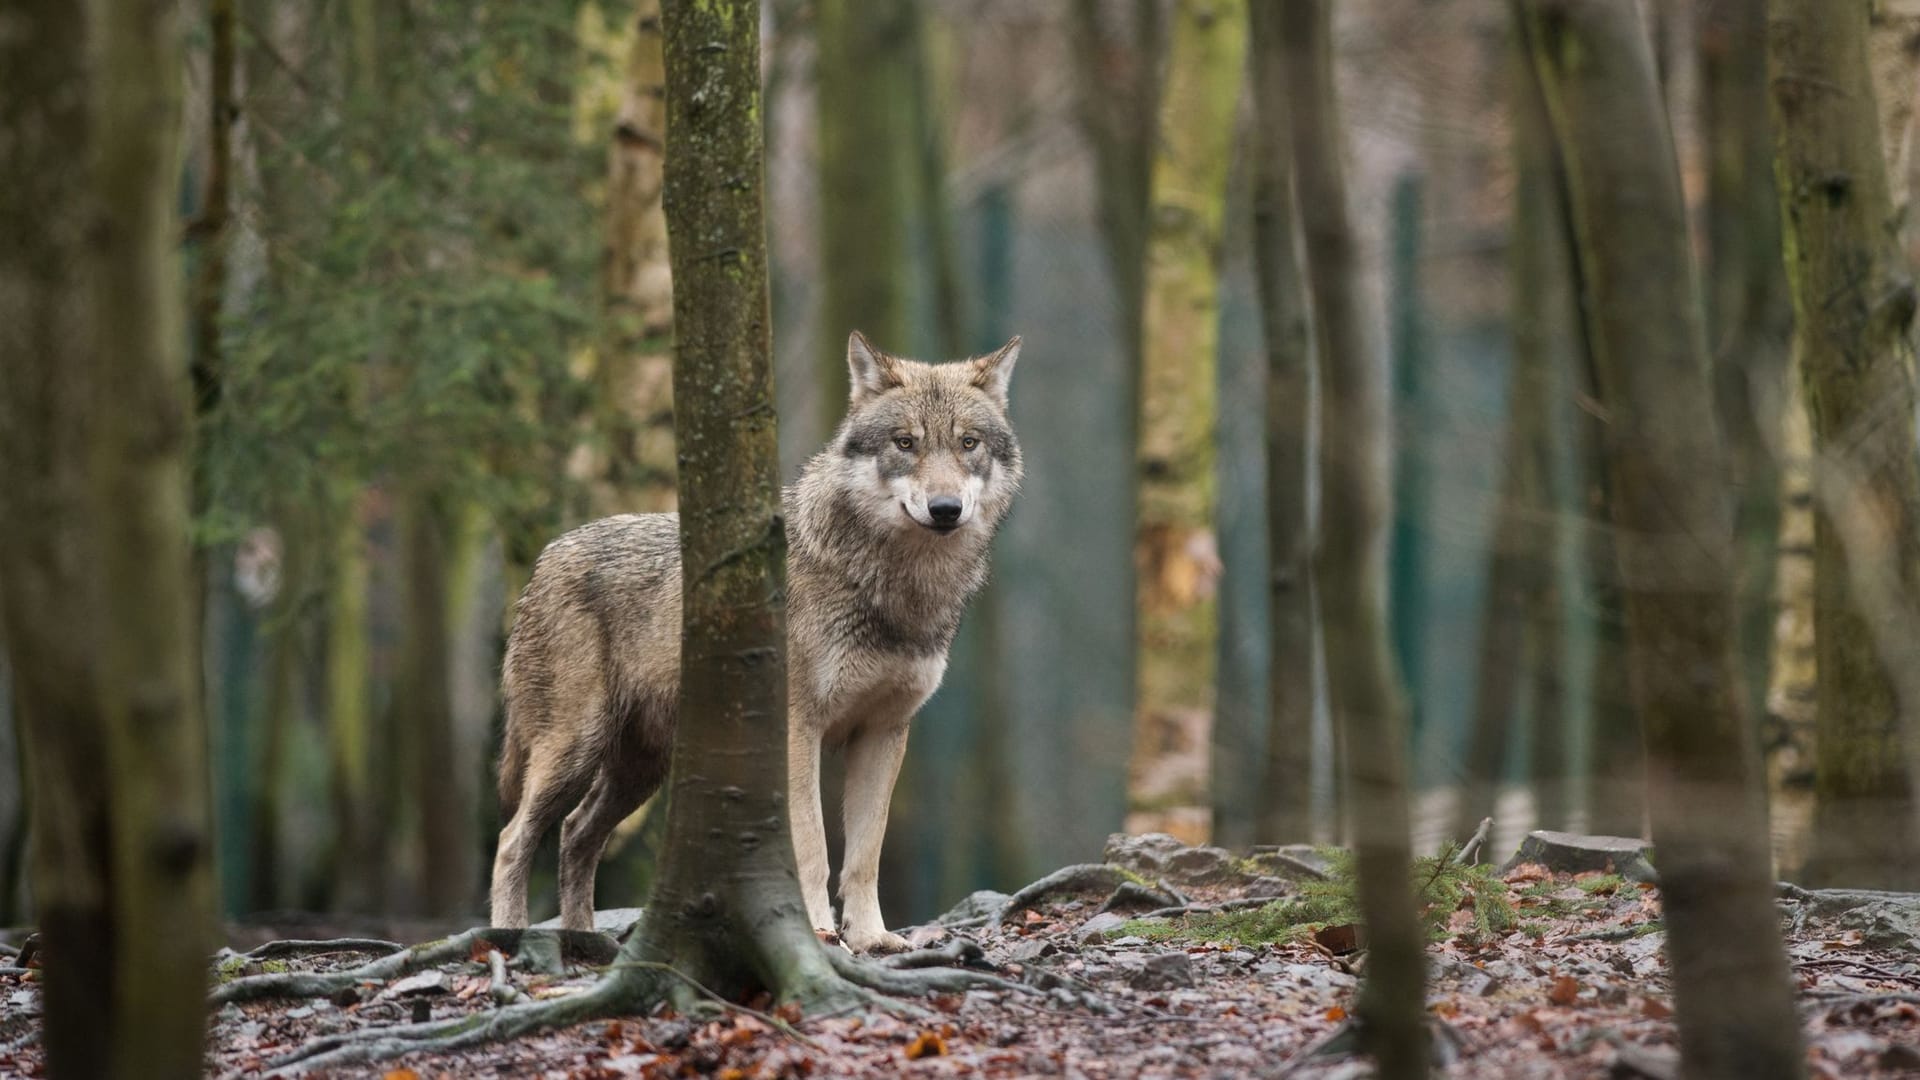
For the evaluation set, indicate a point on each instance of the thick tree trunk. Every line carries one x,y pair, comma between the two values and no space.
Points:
47,582
424,706
1893,56
1853,305
863,78
1175,553
1350,560
94,565
634,374
1672,535
1283,804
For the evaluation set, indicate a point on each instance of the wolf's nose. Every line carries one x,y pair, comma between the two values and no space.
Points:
945,510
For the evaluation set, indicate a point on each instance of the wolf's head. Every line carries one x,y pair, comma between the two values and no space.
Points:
927,447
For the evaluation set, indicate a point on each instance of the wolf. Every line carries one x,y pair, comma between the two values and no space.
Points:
888,534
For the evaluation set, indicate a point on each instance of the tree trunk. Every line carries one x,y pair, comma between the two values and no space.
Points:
349,715
1853,306
1407,428
1284,801
1790,733
1117,96
1350,561
1893,56
1176,556
95,567
424,706
863,78
1672,535
46,580
728,914
634,375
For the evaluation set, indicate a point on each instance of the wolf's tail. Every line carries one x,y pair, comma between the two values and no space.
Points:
513,773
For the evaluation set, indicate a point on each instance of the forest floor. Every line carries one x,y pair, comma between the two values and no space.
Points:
1533,974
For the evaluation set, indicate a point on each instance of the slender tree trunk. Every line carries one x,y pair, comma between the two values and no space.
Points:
424,706
1893,56
1407,427
162,873
1350,561
1175,553
1117,96
281,711
47,586
863,77
634,376
1672,535
728,914
349,709
1790,734
1853,305
1284,804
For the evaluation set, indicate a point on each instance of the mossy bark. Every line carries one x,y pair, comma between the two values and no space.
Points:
726,907
1672,535
95,568
1283,803
1350,561
633,371
1175,551
1853,305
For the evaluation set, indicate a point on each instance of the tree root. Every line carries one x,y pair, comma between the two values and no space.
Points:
1208,909
1081,877
918,982
586,946
960,951
1135,895
275,949
607,997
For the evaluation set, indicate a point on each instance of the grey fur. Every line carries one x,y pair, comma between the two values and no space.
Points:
875,593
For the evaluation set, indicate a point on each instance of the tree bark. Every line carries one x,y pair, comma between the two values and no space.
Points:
46,581
1350,562
1672,535
863,80
727,913
95,567
634,375
1284,802
1853,306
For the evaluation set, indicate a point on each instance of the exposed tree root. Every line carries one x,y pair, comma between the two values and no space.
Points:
960,951
918,982
14,970
275,949
1132,894
585,946
1208,909
1081,877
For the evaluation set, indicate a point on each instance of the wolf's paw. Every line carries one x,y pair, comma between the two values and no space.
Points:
873,941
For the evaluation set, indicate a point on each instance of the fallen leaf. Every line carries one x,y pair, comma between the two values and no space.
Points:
928,1044
1343,938
400,1074
1336,1014
1655,1009
1564,990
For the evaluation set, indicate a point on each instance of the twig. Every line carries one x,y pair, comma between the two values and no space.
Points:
1841,961
499,983
307,948
768,1019
1469,853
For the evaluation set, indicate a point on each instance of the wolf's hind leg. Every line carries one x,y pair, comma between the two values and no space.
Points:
547,795
873,764
583,837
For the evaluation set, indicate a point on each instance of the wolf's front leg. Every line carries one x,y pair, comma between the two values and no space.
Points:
809,828
873,763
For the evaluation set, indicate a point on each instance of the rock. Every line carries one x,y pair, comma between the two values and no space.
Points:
540,953
1135,897
1574,853
1030,950
1886,920
1263,887
431,981
1094,931
1157,855
1286,860
616,922
1166,971
977,905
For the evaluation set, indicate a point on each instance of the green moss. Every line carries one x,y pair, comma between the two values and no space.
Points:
1606,883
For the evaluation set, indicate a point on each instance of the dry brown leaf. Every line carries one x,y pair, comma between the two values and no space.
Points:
1336,1014
928,1044
1655,1009
400,1074
1564,990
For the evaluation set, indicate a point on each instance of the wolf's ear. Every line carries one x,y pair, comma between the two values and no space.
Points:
869,371
993,371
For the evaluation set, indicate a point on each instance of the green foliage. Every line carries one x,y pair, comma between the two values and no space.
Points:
1443,889
417,269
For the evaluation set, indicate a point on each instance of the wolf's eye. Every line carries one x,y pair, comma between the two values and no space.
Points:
969,443
904,442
